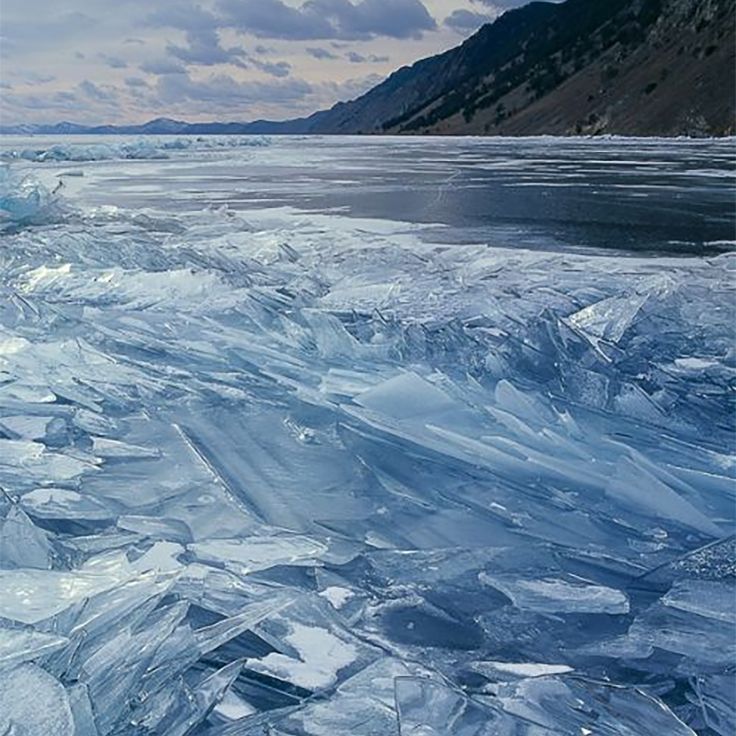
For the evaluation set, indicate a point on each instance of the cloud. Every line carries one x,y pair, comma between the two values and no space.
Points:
355,58
95,92
204,49
34,78
200,27
463,21
275,19
320,53
162,66
278,69
352,56
136,82
222,91
329,19
64,101
36,28
114,62
184,16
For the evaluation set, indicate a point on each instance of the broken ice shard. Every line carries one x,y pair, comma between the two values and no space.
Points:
273,461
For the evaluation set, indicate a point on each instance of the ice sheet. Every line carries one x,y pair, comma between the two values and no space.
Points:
268,465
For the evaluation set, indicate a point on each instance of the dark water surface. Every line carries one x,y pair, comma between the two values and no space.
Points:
660,195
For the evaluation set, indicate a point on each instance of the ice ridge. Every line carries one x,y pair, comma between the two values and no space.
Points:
301,474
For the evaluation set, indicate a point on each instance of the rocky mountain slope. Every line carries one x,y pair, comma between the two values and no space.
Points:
637,67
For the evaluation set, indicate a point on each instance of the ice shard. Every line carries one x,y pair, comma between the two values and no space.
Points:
281,455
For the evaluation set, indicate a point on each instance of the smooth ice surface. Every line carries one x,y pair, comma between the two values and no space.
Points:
366,436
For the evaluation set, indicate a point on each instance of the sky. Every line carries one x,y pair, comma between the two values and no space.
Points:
128,61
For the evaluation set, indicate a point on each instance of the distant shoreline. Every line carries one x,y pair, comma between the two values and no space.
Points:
284,134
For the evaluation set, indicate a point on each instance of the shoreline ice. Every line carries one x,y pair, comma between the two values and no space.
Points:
313,472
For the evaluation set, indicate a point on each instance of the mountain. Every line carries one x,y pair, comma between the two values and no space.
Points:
161,126
627,67
631,67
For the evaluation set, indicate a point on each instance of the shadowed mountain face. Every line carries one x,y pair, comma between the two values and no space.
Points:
646,67
626,67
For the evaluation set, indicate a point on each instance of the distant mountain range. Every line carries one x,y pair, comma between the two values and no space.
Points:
628,67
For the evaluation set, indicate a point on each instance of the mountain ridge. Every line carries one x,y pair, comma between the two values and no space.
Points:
627,67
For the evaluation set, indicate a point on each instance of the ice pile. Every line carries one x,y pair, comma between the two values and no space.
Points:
299,474
134,149
25,201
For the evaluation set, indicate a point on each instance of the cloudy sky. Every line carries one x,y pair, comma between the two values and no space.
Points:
117,61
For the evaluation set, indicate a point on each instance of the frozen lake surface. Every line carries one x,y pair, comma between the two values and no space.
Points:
367,437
